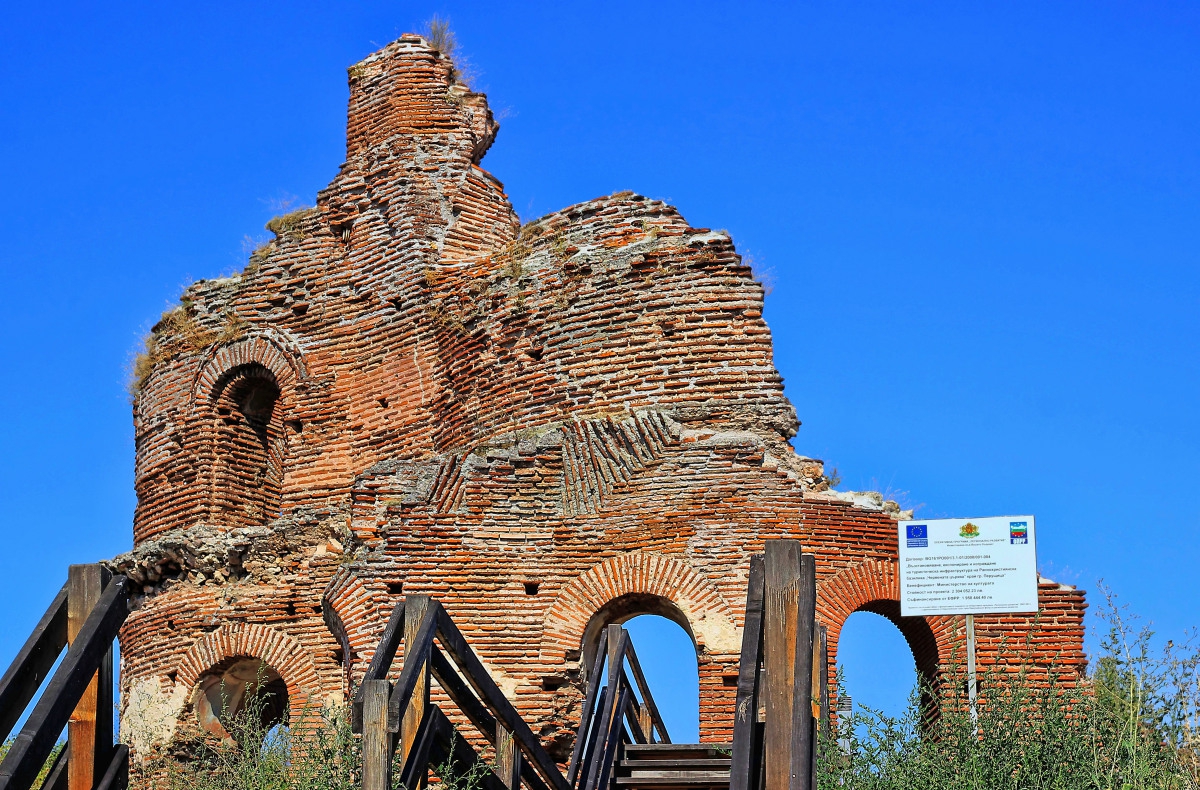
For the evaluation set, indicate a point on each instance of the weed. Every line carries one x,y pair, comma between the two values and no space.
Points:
1131,725
42,774
439,36
179,332
290,225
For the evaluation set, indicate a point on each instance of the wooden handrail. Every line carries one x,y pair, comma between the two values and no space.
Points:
475,674
647,697
589,701
415,656
470,687
612,714
33,663
381,662
88,653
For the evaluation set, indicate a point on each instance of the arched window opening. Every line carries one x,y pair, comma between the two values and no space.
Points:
876,662
249,448
668,659
243,699
666,649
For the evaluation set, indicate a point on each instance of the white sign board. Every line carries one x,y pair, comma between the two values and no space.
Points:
967,566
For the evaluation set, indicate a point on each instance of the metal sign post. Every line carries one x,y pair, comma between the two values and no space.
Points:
956,566
971,668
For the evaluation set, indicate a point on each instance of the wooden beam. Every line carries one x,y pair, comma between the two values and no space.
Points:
491,696
53,709
376,737
33,663
804,730
822,731
416,607
823,654
89,730
781,608
381,662
588,712
647,698
746,760
508,758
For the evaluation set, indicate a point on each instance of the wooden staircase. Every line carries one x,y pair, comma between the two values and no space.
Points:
674,766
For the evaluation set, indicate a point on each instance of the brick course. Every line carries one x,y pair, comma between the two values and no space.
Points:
546,427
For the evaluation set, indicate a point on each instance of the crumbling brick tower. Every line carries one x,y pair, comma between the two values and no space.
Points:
549,428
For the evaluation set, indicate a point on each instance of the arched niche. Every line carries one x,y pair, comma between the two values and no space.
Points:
239,695
249,447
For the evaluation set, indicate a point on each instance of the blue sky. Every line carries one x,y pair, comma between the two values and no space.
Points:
981,223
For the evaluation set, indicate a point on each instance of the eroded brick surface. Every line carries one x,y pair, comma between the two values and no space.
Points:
546,427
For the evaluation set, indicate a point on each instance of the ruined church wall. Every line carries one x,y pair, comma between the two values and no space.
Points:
545,427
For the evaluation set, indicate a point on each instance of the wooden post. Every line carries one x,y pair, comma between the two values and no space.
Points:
90,729
616,661
508,758
746,759
820,697
376,741
823,633
781,600
414,611
804,730
646,722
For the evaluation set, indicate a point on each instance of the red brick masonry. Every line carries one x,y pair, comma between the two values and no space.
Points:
547,427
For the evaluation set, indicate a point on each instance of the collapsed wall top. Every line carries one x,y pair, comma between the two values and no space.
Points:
408,314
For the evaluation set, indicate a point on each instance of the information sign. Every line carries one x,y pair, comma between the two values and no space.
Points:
967,566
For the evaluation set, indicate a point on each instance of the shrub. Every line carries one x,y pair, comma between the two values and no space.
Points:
1131,724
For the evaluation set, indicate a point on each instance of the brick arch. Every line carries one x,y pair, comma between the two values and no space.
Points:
278,649
874,586
356,612
243,474
268,348
639,573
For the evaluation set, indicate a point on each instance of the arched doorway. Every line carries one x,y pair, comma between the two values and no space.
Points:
668,659
877,666
666,649
249,450
884,663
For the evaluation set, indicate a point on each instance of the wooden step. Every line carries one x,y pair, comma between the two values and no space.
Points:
662,763
677,751
674,766
689,779
695,779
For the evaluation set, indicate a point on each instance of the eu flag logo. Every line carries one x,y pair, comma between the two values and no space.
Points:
918,535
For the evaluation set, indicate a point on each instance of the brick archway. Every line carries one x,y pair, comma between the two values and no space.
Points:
273,353
874,586
356,612
281,651
709,619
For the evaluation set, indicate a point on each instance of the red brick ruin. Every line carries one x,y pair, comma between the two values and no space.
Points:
549,428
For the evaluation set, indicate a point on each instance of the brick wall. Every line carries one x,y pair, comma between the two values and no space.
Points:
547,427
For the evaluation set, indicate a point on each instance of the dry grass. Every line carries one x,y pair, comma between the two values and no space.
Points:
178,332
